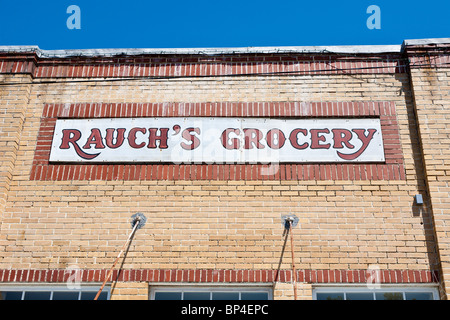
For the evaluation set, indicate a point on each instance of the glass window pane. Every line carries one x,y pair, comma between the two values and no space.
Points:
37,295
254,296
196,296
11,295
419,296
161,295
225,296
389,296
359,296
90,295
330,296
65,295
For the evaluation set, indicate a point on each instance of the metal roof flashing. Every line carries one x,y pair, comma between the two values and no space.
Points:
379,49
425,42
357,49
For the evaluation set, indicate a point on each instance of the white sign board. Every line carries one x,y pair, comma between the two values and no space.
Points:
217,140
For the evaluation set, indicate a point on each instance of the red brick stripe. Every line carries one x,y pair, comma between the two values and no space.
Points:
217,276
197,65
221,109
392,169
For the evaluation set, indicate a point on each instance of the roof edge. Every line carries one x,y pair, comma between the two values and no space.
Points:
367,49
355,49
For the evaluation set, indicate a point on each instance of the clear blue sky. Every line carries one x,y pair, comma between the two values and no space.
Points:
212,23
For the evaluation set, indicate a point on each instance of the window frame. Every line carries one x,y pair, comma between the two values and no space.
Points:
401,288
209,288
54,288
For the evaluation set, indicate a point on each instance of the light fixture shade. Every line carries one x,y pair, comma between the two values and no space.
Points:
291,217
138,217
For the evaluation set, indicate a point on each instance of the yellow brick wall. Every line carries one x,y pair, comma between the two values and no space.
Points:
213,224
432,103
218,224
285,291
14,97
129,291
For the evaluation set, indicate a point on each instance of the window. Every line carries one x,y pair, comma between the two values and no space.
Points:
51,293
383,293
208,293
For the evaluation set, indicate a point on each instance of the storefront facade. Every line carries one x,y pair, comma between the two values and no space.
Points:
217,147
